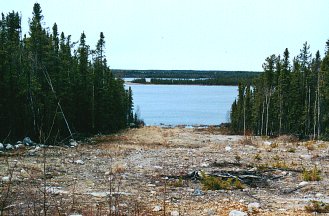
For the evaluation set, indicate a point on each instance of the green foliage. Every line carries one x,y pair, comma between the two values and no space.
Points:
317,206
288,98
311,175
216,183
41,79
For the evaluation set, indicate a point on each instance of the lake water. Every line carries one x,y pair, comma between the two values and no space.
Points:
183,104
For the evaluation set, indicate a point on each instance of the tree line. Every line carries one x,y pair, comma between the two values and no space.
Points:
290,97
51,87
229,81
183,74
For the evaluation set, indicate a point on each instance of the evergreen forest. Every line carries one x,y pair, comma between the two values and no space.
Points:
52,88
290,97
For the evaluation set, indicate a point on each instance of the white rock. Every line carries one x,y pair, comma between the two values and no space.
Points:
267,143
1,146
303,183
157,208
79,162
73,143
5,179
237,213
174,213
158,167
19,146
9,146
27,141
24,173
228,148
74,214
204,165
253,207
35,149
306,157
319,195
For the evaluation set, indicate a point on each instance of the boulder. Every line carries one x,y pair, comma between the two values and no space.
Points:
174,213
9,147
157,208
253,207
1,146
73,143
237,213
27,141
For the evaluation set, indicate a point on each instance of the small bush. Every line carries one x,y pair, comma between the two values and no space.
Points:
258,157
280,165
292,150
216,183
317,206
178,183
311,175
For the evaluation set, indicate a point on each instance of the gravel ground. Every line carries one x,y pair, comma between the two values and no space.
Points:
148,171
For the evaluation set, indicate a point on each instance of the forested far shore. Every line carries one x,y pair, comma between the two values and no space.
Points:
51,88
290,97
183,74
228,81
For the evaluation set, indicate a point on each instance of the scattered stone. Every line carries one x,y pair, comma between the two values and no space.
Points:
19,146
306,157
157,208
253,207
237,213
19,142
27,141
303,183
24,173
197,192
174,213
79,162
158,167
73,143
204,164
74,214
9,147
228,148
267,143
5,179
35,149
319,195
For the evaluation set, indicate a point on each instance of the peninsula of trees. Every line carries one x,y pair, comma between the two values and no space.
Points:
187,77
51,88
290,97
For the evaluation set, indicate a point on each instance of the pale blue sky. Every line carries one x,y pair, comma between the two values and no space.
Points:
187,34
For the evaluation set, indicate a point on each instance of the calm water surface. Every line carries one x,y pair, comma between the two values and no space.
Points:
183,104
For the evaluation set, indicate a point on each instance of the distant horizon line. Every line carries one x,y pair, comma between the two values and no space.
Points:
192,70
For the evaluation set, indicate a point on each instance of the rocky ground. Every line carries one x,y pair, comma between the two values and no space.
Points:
162,171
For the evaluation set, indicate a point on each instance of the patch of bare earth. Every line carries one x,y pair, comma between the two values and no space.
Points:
157,171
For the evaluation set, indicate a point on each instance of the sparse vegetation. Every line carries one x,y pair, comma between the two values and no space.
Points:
217,183
318,207
311,175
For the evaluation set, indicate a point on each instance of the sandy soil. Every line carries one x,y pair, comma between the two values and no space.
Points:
146,172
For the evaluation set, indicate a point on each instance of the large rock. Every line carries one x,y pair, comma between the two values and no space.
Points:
1,146
9,146
237,213
157,208
27,141
253,207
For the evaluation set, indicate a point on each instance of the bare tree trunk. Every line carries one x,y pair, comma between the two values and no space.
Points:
262,125
268,100
319,104
244,118
315,114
